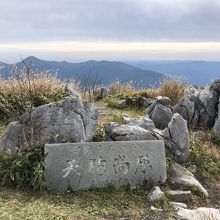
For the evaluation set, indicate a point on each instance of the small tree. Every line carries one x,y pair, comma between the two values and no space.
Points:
89,86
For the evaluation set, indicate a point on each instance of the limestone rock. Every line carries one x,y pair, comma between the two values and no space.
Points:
216,127
164,100
182,176
177,138
71,120
186,108
209,100
160,112
200,214
179,196
216,87
161,116
143,122
178,205
198,109
125,132
155,194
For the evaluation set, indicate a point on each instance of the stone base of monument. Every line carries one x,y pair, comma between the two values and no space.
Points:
87,165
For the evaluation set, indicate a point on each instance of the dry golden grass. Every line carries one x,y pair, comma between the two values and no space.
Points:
206,144
174,89
116,88
41,82
205,154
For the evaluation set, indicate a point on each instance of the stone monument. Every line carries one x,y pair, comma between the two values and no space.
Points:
96,164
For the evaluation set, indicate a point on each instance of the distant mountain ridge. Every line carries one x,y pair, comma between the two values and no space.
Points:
196,72
106,71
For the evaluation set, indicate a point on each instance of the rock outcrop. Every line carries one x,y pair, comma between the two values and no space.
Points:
180,175
71,120
176,135
117,132
216,127
198,109
176,138
199,214
160,112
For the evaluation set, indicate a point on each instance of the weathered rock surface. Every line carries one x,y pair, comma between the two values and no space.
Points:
155,194
160,112
71,120
178,205
216,127
81,166
176,137
182,176
186,108
209,101
179,196
143,122
216,87
198,108
200,214
116,132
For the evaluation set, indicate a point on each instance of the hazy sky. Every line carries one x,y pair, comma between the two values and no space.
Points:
110,29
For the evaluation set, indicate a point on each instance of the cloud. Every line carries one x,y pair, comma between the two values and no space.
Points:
109,20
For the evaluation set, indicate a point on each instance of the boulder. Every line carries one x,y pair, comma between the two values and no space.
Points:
116,132
143,122
209,100
71,120
178,205
163,100
186,108
181,176
160,112
161,116
216,127
199,214
178,195
155,194
216,87
176,137
198,108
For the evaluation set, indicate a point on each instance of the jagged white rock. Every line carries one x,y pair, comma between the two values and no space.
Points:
200,214
180,175
155,194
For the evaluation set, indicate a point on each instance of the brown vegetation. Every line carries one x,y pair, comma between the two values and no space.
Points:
174,89
41,82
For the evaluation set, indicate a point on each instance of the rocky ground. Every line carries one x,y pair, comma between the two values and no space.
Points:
188,130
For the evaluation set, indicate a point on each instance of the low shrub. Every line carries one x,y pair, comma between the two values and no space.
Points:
13,105
24,168
115,103
174,89
117,88
118,118
216,139
137,101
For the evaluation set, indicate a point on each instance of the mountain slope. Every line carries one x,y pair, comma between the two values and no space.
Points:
196,72
103,70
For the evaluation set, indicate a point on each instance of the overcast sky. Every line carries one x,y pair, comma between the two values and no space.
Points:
110,29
